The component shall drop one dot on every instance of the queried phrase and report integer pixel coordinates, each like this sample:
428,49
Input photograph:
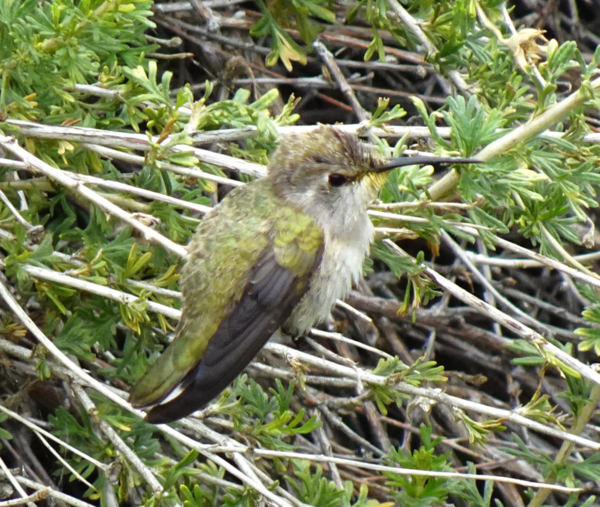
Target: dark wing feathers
264,304
268,301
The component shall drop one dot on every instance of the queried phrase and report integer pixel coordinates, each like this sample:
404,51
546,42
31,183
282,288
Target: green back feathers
248,225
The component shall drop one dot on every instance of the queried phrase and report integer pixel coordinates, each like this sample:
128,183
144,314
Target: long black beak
392,163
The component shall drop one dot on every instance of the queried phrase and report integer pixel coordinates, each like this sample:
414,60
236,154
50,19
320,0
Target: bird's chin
373,183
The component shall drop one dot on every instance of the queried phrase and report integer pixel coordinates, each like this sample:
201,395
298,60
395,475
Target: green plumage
250,225
276,253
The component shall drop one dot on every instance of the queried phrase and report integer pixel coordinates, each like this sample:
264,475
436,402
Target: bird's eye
319,160
337,180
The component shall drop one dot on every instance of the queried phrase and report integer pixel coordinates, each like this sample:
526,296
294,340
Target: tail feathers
203,387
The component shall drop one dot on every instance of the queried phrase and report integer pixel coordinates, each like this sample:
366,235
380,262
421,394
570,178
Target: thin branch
142,192
41,431
65,463
338,424
38,496
407,471
233,446
343,85
131,141
116,440
75,502
547,261
460,253
345,306
581,420
341,338
549,351
100,290
31,229
69,182
141,161
537,125
433,394
523,263
15,484
414,27
325,446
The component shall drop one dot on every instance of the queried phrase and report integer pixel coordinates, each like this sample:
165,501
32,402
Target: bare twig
345,88
489,287
138,160
41,431
414,27
15,484
549,351
100,290
31,229
75,502
69,182
526,131
116,440
131,141
38,496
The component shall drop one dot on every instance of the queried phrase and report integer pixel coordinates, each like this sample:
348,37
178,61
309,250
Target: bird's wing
267,303
202,367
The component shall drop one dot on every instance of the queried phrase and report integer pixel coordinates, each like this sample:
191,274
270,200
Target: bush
473,354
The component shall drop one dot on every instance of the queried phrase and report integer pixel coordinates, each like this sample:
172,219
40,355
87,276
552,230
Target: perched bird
275,253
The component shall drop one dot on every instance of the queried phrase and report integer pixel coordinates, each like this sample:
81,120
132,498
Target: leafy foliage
90,64
312,487
278,15
268,419
416,490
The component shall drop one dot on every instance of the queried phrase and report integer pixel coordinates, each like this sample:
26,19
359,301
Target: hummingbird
273,254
